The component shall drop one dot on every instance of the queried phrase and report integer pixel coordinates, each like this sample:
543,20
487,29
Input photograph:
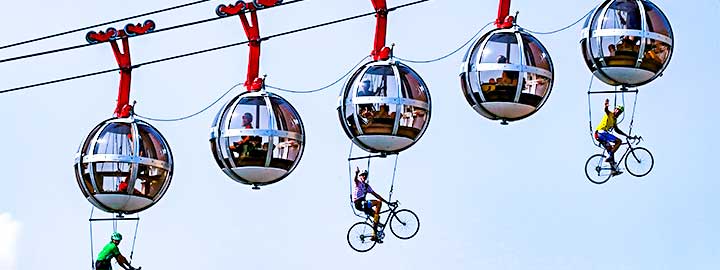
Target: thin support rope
451,53
564,28
194,114
321,88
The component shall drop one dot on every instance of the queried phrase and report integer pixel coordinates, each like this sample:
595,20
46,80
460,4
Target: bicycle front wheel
360,237
597,170
404,224
639,162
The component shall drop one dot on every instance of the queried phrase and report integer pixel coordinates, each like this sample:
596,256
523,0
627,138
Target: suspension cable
592,136
137,222
191,115
92,249
563,28
101,24
153,32
392,184
321,88
451,53
207,50
632,118
352,180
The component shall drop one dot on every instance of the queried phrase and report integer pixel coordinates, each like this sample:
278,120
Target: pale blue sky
488,196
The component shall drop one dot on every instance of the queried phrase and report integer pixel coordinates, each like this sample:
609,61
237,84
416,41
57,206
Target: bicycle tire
359,237
404,224
639,162
596,170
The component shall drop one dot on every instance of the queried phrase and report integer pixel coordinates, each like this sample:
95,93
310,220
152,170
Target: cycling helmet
116,236
620,107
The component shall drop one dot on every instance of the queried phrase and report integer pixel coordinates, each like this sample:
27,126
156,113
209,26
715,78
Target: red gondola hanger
503,20
252,31
380,51
123,108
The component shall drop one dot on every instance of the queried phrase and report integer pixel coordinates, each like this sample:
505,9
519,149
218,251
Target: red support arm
252,31
504,20
253,34
380,52
123,107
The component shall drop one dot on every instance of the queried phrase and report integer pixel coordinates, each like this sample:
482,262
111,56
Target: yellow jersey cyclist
111,251
603,133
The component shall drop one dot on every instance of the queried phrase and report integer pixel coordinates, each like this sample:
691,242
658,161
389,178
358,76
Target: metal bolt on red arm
504,20
380,51
252,31
111,35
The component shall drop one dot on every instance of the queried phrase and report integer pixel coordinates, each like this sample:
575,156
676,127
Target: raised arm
607,106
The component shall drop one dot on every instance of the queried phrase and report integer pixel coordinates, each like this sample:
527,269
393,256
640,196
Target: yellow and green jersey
607,123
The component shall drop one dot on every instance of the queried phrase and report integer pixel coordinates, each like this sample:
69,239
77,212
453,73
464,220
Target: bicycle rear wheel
597,170
404,224
639,162
359,237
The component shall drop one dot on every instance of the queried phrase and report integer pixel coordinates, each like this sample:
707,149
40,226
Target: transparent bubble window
501,48
114,139
535,53
656,20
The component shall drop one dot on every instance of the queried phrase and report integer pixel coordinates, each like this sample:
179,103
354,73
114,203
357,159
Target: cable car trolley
257,138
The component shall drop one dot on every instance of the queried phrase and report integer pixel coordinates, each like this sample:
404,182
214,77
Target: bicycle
404,224
638,162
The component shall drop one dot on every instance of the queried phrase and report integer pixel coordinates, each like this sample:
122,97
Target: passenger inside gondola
247,144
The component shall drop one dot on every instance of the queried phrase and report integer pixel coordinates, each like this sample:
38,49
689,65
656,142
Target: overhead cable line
321,88
451,53
564,28
100,24
155,31
207,50
194,114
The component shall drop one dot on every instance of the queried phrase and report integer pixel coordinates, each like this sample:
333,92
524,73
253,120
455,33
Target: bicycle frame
629,149
392,211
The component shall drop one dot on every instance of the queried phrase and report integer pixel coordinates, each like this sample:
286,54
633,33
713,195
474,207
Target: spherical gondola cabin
257,138
627,42
120,174
507,75
385,107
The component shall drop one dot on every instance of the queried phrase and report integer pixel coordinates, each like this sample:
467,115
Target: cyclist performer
362,188
110,251
603,134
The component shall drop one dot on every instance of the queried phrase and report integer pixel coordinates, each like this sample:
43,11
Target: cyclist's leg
377,205
617,142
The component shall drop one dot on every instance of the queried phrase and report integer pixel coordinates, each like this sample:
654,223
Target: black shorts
364,206
103,265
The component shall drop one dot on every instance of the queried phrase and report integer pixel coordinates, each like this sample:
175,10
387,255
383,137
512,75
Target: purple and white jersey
361,189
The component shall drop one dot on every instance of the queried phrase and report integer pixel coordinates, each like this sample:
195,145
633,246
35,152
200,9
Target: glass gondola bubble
385,106
627,42
257,138
120,174
507,74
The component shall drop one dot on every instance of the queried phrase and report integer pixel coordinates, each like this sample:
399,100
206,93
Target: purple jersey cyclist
362,188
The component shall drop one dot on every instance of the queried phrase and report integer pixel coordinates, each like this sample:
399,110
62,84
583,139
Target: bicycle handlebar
637,139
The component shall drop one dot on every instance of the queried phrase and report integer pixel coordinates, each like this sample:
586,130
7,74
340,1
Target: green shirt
108,252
